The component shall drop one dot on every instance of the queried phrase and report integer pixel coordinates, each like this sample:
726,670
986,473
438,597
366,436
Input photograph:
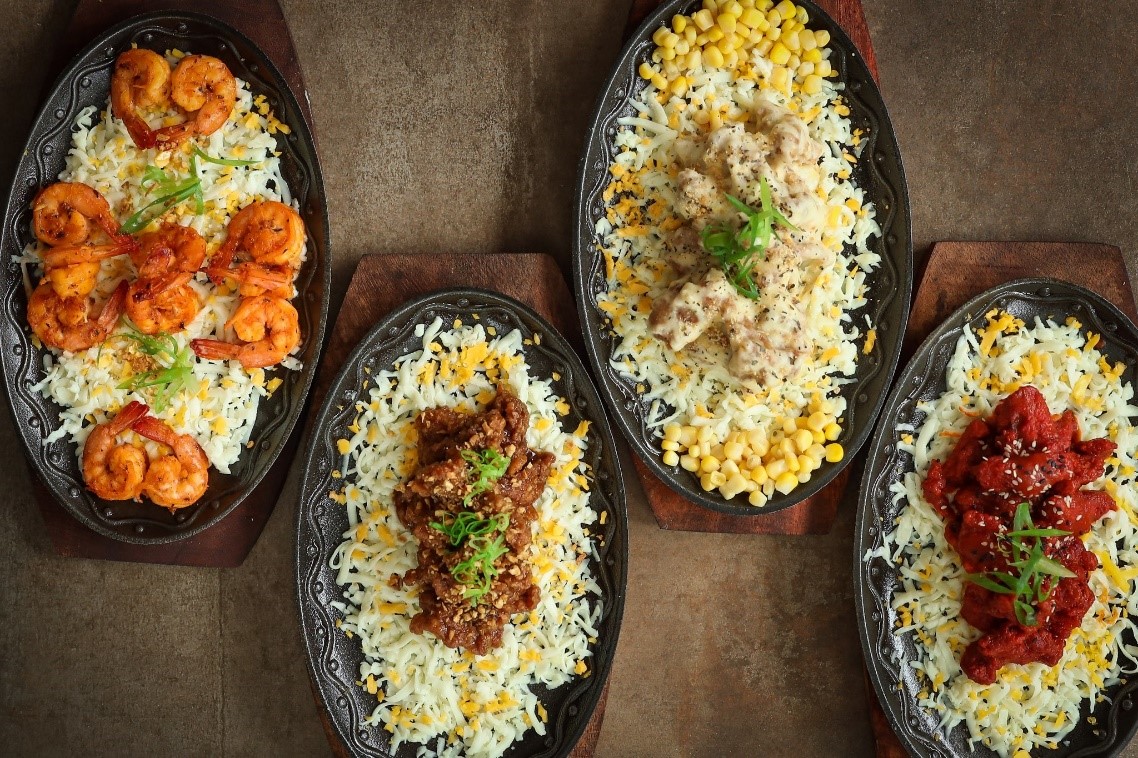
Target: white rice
451,701
219,405
693,386
1032,706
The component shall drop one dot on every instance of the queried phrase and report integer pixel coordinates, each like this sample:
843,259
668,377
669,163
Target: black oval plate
880,174
333,659
87,82
924,379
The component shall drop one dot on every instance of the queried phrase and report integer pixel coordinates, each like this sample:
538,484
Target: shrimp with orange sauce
187,250
141,78
74,271
72,323
115,470
268,232
268,327
179,478
168,304
258,279
62,214
203,87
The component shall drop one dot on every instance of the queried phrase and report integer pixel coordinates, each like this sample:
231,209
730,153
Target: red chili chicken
1020,454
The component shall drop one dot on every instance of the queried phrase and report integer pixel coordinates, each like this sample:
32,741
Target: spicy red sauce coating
1020,454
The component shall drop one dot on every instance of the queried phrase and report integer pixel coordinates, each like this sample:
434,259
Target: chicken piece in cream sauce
766,337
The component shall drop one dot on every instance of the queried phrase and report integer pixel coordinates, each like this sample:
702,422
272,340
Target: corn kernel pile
726,33
747,460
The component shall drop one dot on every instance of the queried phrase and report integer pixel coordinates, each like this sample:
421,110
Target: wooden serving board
226,543
958,271
383,282
816,514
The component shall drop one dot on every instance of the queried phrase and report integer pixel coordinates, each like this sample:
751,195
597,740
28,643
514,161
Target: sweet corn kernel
803,439
764,47
807,40
703,20
815,422
708,464
805,463
779,54
786,483
694,60
729,468
670,458
736,484
790,41
671,445
672,432
682,48
691,34
817,452
689,463
687,435
833,431
812,85
757,499
801,16
679,86
819,437
812,56
713,57
705,483
734,8
773,33
792,463
646,71
705,434
822,68
726,22
717,478
659,34
695,450
667,53
659,82
804,476
822,37
776,468
679,23
805,69
834,452
733,450
751,17
731,59
757,474
774,18
786,10
794,62
757,439
786,447
711,6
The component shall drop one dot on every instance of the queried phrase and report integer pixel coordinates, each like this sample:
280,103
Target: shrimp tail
131,413
169,137
152,287
113,308
215,350
154,429
144,137
218,268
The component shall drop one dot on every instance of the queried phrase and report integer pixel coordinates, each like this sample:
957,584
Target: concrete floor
1016,122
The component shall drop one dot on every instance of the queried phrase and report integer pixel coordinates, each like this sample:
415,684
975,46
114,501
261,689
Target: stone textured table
456,126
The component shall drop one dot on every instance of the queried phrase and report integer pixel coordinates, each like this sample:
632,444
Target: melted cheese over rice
1032,706
451,701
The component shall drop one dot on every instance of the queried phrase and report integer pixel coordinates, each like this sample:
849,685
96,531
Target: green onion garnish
172,191
198,152
175,363
487,467
737,251
1035,579
478,571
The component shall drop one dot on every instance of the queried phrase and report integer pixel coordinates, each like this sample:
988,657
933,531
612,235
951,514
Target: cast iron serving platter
886,654
87,82
878,172
333,659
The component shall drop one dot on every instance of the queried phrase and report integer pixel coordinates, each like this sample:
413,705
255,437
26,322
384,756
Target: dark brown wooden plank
383,282
226,543
812,516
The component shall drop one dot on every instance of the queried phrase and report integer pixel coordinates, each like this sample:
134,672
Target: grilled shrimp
268,327
141,78
168,304
115,470
258,279
71,323
179,478
74,271
268,232
185,246
205,89
62,212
